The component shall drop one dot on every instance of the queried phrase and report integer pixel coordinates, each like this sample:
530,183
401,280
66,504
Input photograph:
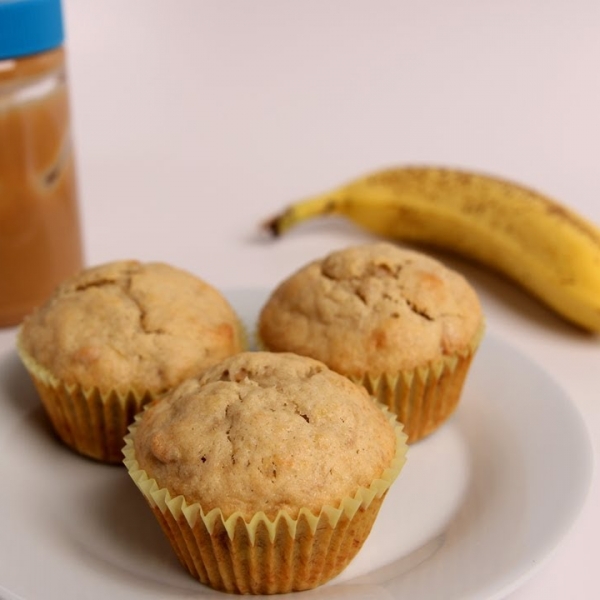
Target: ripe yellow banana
540,244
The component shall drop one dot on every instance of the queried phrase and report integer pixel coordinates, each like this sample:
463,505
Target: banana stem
275,225
295,213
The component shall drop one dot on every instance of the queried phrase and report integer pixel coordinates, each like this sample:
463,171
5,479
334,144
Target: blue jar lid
29,26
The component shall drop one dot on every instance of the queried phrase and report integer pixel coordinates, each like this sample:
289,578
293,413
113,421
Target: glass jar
40,240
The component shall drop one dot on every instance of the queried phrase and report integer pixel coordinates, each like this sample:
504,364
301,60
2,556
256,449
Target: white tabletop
194,121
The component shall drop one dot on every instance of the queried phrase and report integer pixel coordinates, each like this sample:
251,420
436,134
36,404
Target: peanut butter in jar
40,240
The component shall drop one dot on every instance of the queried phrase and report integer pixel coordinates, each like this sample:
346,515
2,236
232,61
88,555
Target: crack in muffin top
265,432
131,325
373,307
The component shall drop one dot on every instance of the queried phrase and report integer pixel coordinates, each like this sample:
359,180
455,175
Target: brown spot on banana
553,208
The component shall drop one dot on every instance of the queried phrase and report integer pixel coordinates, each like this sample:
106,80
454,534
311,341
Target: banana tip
272,226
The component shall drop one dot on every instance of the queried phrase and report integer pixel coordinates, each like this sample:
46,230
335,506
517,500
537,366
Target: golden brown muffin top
373,307
129,325
265,432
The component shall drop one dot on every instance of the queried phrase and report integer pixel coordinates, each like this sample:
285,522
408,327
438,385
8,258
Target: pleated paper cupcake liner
91,422
423,398
262,555
88,421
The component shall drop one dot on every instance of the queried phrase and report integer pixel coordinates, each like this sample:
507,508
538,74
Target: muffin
267,472
392,319
116,336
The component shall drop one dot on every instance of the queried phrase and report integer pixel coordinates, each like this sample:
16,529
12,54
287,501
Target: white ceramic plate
477,508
